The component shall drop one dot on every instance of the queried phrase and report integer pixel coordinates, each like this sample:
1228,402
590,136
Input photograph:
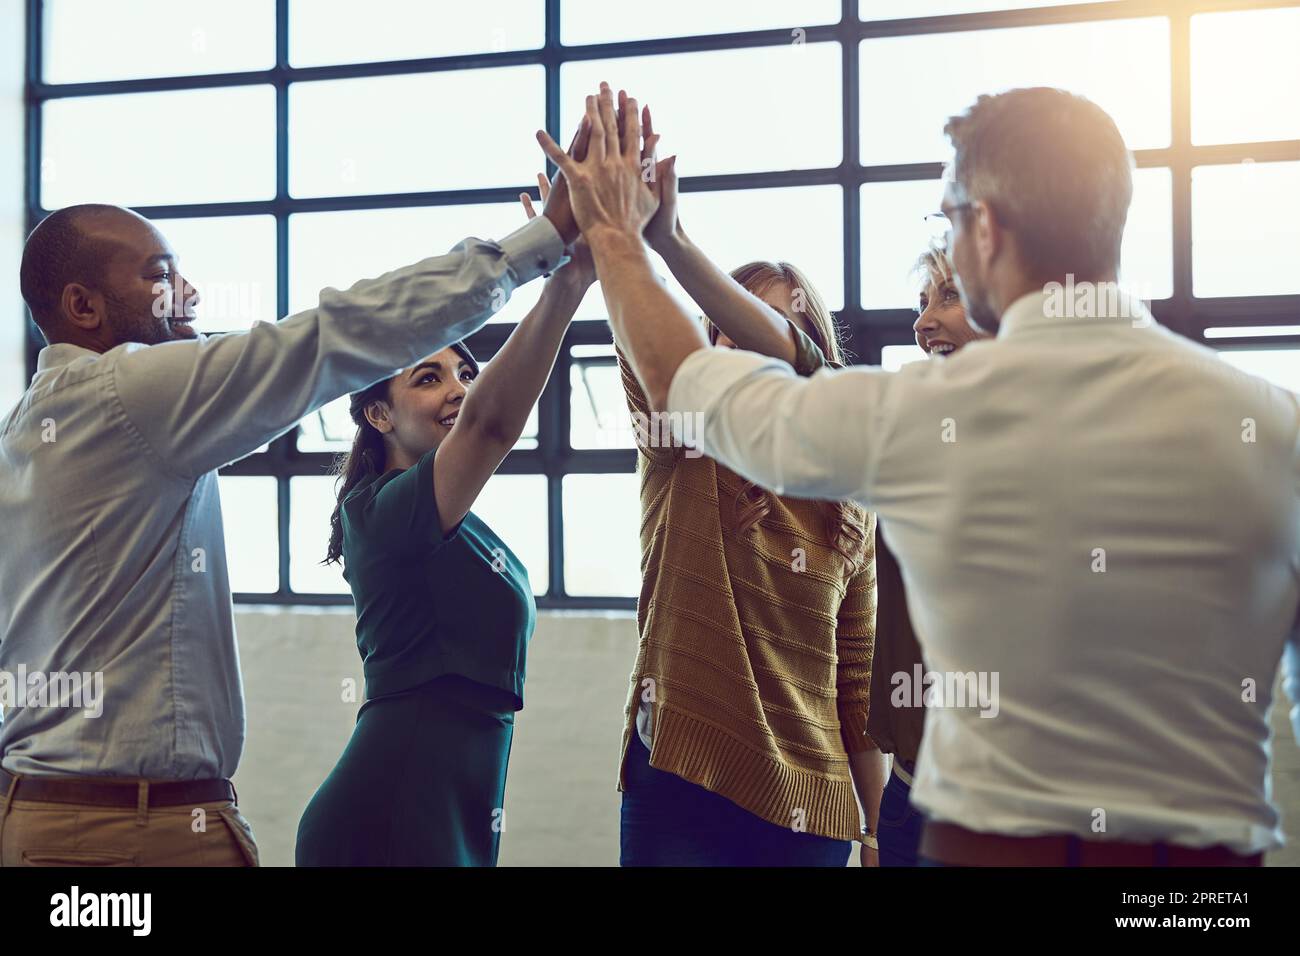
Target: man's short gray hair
1057,173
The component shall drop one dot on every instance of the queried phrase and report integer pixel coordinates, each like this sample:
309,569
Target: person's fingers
650,163
606,117
649,149
576,133
581,139
618,114
553,152
543,186
650,152
527,200
669,176
661,175
631,131
648,131
596,146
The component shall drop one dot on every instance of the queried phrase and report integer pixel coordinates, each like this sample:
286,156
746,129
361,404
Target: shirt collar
1068,305
60,353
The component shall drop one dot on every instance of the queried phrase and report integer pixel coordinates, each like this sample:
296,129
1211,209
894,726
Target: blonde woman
940,329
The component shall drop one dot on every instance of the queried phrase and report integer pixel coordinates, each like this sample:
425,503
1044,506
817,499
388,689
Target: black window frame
868,331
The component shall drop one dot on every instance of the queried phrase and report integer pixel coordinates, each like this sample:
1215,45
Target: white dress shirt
113,559
1102,514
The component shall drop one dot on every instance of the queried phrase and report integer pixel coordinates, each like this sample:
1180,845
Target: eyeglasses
939,223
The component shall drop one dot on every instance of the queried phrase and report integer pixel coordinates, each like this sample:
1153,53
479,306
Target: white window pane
322,32
329,428
896,9
791,92
1279,366
230,260
1147,253
338,248
599,21
802,225
894,357
1249,331
92,40
143,149
602,545
894,234
249,512
528,437
311,502
911,85
1245,76
514,506
598,412
1246,229
417,133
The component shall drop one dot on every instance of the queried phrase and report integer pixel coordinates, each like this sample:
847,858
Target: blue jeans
668,821
899,827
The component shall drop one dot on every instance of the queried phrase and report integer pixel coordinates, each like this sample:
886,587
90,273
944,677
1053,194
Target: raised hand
555,203
663,228
606,190
580,261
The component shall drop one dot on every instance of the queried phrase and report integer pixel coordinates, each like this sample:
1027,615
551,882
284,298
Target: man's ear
990,235
82,307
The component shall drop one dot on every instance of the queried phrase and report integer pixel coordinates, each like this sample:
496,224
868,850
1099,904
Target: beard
980,314
130,324
982,317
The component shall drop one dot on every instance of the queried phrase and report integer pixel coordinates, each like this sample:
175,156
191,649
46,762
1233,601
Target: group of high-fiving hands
611,200
610,185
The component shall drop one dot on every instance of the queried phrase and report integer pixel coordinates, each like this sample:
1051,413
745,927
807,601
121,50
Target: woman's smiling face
423,404
941,327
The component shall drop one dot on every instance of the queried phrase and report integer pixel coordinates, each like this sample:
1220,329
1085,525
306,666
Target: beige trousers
40,833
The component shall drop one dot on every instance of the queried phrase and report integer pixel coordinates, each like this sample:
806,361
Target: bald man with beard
123,712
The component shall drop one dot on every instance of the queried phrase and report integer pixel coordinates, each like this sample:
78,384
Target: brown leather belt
116,792
957,846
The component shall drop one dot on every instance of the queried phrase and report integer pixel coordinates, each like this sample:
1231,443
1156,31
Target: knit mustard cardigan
755,650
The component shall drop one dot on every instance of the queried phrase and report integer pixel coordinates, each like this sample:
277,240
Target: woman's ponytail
366,458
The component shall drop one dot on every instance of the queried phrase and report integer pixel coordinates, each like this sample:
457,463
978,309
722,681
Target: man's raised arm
803,437
197,405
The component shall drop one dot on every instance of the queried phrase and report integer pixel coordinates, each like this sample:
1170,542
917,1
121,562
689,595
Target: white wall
561,802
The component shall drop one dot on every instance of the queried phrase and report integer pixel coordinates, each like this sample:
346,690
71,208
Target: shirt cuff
533,249
808,357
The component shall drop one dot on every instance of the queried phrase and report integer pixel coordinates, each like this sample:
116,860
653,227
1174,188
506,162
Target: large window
288,145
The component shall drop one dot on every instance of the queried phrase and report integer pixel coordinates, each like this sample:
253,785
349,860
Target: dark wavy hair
847,524
368,455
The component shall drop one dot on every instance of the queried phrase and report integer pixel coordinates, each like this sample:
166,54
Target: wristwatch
869,839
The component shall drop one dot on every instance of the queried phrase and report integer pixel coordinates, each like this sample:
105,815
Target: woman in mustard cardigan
744,737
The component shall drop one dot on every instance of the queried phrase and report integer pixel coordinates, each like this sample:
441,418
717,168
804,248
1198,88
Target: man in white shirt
1097,521
119,671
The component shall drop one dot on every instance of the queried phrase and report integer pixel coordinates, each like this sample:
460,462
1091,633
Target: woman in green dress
444,608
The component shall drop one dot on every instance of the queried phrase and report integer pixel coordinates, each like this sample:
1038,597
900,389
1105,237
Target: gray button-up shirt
112,557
